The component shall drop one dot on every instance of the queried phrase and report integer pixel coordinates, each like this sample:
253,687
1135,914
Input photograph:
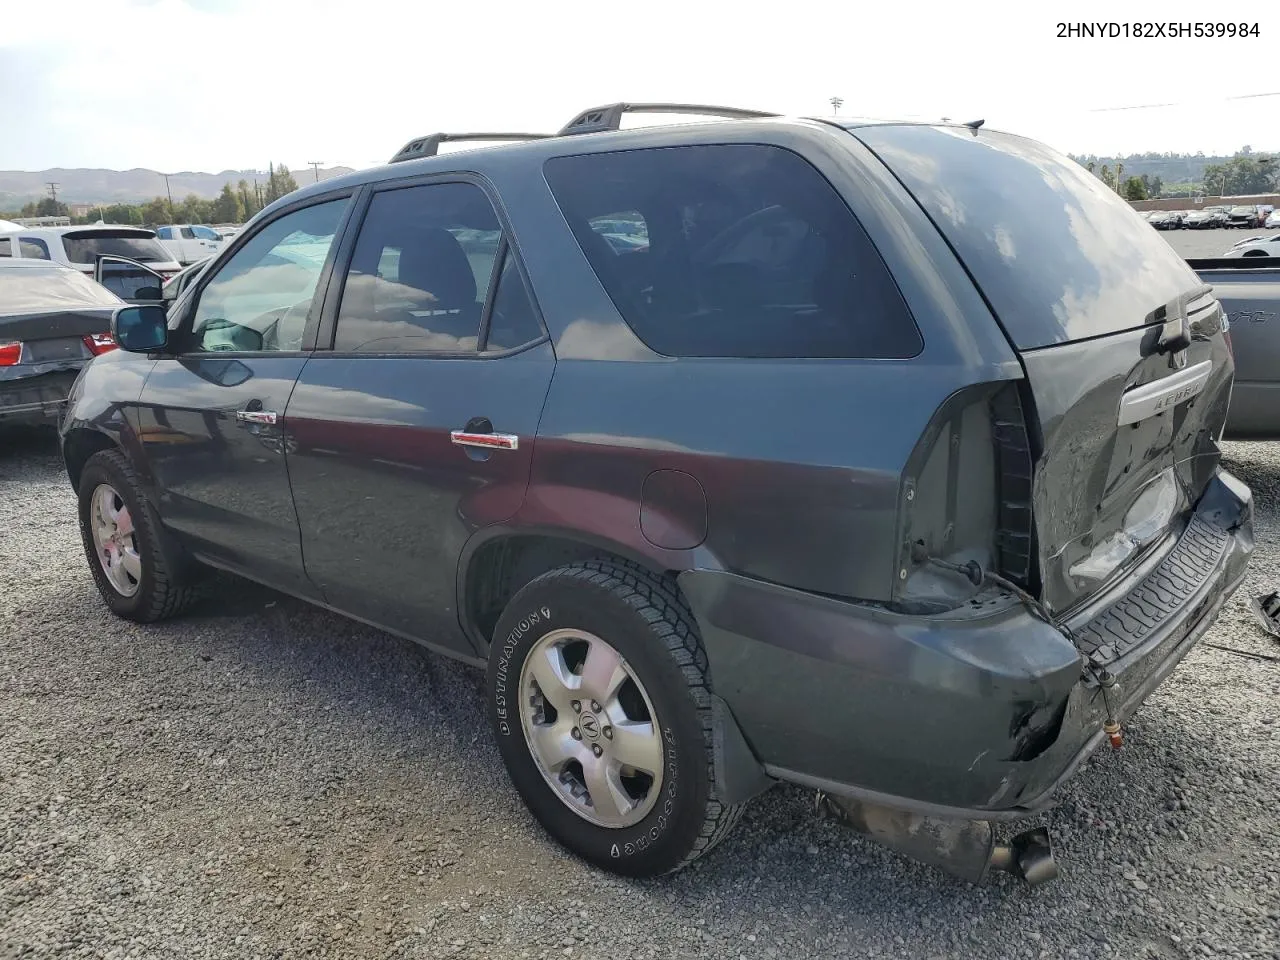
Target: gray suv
880,459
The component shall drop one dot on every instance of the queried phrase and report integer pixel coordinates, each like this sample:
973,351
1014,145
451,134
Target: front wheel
599,699
140,572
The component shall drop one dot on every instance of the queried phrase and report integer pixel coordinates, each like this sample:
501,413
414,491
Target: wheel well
78,447
502,566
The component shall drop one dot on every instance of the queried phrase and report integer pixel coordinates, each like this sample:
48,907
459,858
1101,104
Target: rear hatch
85,246
1128,371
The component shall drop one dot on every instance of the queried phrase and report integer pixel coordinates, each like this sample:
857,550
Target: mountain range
82,185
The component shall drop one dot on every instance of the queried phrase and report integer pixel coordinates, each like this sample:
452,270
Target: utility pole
836,104
315,165
53,189
169,194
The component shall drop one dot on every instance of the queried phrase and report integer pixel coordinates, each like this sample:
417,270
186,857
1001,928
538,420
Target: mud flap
739,775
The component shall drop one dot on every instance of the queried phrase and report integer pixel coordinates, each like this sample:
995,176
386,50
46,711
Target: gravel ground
263,779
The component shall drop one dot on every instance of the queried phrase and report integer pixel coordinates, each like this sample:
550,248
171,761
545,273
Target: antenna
974,124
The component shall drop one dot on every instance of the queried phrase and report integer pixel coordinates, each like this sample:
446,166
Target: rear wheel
599,699
139,570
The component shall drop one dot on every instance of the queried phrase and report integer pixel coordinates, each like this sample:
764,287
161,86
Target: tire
642,618
166,581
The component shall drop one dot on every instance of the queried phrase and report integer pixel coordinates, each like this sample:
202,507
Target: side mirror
140,329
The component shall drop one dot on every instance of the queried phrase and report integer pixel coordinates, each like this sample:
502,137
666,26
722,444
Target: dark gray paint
808,487
223,483
386,501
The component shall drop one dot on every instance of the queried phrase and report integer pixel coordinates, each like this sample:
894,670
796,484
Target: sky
210,85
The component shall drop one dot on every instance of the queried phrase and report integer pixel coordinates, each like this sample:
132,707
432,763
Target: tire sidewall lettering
506,653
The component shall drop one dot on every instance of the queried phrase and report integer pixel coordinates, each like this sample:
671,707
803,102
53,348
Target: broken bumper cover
35,399
981,713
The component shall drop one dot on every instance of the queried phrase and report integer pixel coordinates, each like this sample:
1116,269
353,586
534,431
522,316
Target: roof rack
609,117
429,145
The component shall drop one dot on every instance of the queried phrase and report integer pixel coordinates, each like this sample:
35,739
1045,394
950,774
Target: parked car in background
53,320
1243,217
80,247
1273,219
627,478
1256,247
1165,220
188,242
1208,218
1249,291
173,287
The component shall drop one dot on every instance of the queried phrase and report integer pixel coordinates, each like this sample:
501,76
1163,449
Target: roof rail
609,117
429,145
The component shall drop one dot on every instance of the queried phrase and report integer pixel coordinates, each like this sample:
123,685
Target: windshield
1058,254
87,247
205,233
40,289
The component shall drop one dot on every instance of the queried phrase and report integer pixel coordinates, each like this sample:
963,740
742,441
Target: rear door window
1058,254
420,272
34,248
732,250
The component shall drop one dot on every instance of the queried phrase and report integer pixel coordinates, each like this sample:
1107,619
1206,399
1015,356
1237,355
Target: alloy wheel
115,540
591,728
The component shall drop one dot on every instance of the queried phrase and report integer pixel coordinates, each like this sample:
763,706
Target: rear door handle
487,441
257,416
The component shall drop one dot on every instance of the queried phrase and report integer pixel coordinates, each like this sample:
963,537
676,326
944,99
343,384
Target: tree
195,209
279,182
1152,185
49,207
126,213
1105,176
228,208
1135,189
248,199
156,211
1245,173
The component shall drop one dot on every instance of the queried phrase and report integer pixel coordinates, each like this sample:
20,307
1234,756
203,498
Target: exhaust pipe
963,848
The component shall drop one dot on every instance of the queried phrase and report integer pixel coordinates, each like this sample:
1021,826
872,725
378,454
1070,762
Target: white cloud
212,84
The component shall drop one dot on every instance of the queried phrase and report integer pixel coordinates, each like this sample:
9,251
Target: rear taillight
10,354
99,343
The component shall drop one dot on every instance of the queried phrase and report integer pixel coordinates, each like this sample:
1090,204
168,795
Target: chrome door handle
257,416
488,441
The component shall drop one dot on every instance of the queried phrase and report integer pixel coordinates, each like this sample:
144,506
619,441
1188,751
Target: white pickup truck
189,242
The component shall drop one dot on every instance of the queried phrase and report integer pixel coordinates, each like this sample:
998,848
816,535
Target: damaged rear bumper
35,399
978,714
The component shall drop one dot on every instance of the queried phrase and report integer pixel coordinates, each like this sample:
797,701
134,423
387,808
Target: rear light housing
99,343
10,354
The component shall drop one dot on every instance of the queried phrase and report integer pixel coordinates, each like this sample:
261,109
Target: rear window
87,247
1059,256
35,290
732,250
